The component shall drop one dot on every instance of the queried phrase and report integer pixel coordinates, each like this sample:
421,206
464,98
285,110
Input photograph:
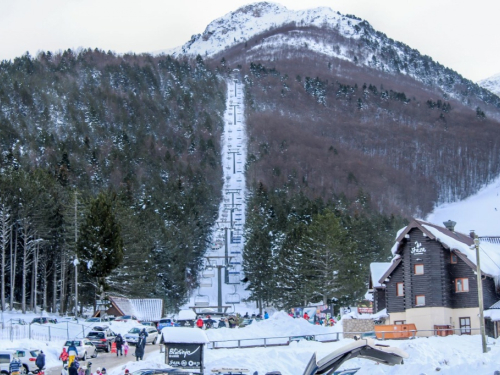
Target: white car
27,357
133,335
84,347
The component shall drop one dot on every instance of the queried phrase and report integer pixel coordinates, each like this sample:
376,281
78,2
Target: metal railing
13,330
271,341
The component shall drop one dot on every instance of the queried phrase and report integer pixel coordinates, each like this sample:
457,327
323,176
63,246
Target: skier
222,323
40,361
246,316
232,322
199,323
119,343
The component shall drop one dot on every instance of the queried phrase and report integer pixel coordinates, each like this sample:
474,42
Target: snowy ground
480,212
448,355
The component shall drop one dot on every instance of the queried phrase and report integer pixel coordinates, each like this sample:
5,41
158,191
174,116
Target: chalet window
461,285
419,269
420,300
400,289
453,258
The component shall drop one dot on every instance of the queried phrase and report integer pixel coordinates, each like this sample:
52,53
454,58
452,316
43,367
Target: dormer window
453,258
419,269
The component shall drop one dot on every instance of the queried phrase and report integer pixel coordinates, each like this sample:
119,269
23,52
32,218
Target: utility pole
480,294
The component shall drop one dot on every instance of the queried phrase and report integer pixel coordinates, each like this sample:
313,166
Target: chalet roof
376,272
145,309
459,243
493,312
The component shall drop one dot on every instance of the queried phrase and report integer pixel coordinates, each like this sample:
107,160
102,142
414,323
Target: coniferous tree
100,245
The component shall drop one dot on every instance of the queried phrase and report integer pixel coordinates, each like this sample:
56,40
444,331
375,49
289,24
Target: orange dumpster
395,331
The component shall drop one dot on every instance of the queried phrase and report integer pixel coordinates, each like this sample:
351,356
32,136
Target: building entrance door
465,326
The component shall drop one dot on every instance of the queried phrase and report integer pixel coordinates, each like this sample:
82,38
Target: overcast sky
461,34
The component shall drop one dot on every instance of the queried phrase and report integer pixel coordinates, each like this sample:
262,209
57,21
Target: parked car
167,322
43,320
84,347
132,336
102,339
27,357
126,318
97,320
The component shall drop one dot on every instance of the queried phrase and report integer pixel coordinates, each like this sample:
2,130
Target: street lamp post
480,294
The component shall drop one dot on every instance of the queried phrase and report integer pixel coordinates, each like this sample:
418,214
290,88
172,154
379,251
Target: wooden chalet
144,309
431,281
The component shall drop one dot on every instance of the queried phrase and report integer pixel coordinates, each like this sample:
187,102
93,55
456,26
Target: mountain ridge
343,37
491,83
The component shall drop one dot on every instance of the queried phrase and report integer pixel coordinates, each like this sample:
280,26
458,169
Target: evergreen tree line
300,250
111,160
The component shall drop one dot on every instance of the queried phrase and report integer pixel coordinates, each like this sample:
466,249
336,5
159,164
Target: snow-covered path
224,256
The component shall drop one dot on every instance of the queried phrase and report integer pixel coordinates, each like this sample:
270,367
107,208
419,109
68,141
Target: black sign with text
188,356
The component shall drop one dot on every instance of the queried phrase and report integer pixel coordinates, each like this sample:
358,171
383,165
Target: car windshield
75,343
93,320
99,335
134,330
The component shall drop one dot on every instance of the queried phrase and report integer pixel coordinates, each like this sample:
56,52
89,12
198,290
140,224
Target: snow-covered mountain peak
250,20
492,84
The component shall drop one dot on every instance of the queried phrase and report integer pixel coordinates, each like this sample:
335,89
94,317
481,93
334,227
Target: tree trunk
13,266
62,298
54,289
35,277
5,232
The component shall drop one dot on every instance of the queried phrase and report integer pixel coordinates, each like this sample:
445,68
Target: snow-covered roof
461,244
145,309
184,335
376,272
187,314
148,309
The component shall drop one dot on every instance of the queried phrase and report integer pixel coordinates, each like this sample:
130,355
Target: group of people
229,322
121,345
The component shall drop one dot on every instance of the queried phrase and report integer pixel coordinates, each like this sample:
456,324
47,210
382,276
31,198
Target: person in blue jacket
266,315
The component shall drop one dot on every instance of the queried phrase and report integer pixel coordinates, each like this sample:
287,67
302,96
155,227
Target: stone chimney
450,225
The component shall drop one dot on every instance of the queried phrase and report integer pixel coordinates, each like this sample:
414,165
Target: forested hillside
91,135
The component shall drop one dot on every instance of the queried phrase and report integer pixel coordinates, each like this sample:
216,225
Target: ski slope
224,256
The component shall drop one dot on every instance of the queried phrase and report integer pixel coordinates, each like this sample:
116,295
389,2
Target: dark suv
102,340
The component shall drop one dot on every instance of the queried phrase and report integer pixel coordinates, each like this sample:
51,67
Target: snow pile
492,84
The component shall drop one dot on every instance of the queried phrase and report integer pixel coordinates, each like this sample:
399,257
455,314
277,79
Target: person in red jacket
199,323
306,317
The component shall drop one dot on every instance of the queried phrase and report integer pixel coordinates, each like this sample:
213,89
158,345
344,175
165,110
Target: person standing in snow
64,356
72,352
306,316
222,323
125,348
266,315
143,334
15,366
72,370
119,343
139,349
199,323
40,361
209,322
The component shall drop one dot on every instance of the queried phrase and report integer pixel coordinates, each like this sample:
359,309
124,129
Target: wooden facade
425,275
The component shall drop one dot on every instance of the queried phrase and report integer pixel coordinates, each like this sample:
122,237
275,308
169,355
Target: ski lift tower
224,264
